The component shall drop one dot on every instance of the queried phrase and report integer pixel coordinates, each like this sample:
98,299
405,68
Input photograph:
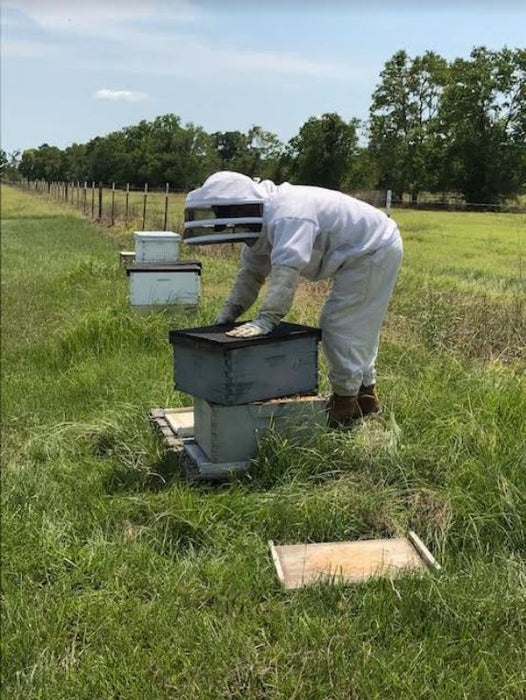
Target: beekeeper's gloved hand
243,294
251,329
283,282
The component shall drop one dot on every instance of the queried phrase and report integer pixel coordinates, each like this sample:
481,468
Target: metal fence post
78,193
93,199
126,204
144,206
112,203
99,218
84,197
166,206
388,199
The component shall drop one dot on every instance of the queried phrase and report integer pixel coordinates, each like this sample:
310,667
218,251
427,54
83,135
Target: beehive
230,371
166,284
156,246
232,433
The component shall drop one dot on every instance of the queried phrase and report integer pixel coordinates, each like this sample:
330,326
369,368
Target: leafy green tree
363,173
263,153
231,147
404,119
106,159
483,120
322,152
43,163
256,153
75,162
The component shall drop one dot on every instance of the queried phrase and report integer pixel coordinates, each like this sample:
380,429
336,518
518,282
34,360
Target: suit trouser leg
352,317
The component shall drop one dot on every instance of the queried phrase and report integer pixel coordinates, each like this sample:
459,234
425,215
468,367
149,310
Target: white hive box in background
154,285
232,433
156,246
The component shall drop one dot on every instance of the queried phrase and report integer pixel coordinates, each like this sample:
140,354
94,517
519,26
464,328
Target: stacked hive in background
241,388
156,279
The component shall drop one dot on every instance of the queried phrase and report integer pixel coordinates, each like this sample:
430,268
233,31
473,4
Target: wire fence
140,209
162,209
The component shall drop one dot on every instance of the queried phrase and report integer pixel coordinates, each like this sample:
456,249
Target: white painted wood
423,551
126,256
181,421
164,288
156,246
277,563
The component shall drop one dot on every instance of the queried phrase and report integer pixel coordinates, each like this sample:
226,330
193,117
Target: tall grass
120,580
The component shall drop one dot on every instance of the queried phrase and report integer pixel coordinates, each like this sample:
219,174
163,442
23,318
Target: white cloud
197,58
144,37
120,95
19,48
85,17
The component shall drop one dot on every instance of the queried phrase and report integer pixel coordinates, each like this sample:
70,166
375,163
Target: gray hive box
211,365
232,433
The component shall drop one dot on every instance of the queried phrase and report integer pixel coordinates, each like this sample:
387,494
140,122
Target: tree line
434,125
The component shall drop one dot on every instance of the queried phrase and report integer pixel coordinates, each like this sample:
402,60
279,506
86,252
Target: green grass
119,580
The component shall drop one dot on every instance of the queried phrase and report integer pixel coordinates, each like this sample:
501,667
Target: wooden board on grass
348,562
181,420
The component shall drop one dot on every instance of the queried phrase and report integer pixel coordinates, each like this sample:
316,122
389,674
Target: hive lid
161,235
187,266
216,337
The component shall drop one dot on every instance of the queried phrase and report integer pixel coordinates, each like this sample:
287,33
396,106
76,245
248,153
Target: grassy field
121,581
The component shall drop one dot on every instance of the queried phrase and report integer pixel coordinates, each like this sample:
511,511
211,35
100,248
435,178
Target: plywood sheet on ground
181,420
353,562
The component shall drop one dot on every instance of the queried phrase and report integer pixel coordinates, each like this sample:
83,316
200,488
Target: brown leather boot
343,410
368,399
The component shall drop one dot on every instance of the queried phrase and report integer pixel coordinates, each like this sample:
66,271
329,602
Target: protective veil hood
228,207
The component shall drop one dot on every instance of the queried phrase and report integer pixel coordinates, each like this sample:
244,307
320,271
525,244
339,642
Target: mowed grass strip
119,580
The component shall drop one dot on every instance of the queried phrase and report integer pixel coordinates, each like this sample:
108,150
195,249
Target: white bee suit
317,234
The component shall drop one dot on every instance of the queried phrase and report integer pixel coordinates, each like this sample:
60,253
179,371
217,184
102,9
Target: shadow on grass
160,476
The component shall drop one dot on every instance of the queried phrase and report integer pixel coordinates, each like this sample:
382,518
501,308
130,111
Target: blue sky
73,69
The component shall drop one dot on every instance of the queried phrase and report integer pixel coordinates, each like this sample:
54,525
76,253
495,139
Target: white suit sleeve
257,257
243,294
282,285
292,242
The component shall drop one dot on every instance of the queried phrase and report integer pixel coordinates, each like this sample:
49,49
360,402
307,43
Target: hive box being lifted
214,366
156,246
232,433
154,285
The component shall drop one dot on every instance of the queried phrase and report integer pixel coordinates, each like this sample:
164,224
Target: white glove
252,329
243,294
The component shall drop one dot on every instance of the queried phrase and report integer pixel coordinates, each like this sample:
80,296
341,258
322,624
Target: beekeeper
293,231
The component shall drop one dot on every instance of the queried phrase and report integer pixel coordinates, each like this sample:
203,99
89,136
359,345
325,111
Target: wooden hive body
232,433
164,284
233,371
156,246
